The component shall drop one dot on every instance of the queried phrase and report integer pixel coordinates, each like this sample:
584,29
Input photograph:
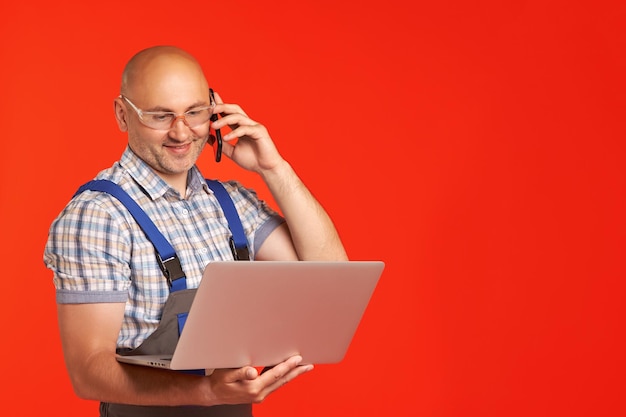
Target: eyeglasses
165,120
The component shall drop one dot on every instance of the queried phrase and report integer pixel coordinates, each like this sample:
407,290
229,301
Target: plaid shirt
99,254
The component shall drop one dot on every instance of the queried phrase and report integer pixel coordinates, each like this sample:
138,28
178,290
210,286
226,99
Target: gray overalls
165,337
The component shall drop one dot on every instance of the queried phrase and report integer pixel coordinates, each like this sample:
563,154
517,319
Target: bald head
161,69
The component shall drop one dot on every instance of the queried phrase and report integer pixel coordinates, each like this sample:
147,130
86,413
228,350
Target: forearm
312,231
102,378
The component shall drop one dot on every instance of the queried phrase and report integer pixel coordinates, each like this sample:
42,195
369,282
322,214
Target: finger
218,98
251,373
241,374
281,370
223,108
267,368
280,380
226,109
233,120
256,132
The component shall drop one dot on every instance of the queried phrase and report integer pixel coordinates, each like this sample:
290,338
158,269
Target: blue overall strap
166,255
238,242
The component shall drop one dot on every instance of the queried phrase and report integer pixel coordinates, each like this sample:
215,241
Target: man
110,290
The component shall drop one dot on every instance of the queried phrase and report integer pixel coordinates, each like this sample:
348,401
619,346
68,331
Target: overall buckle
171,268
240,254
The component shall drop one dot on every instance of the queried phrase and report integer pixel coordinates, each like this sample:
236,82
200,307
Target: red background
475,147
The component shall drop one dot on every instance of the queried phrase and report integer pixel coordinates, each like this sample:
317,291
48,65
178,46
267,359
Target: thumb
250,373
242,374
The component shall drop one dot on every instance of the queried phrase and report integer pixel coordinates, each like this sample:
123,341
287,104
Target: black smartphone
217,142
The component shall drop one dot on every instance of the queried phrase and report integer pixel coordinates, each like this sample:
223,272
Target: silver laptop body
262,312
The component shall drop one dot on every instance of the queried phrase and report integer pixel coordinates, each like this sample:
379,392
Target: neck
177,182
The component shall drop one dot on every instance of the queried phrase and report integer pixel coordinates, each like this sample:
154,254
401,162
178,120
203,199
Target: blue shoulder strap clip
166,255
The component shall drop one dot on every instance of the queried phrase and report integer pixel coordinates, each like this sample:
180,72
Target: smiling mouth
178,146
178,149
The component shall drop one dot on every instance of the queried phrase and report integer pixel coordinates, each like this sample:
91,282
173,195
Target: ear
120,114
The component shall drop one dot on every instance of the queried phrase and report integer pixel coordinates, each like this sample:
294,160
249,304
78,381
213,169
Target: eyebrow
162,109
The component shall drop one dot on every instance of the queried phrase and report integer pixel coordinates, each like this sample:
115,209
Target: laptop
260,313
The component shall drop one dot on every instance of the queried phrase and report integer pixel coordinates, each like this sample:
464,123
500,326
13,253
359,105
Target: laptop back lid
260,313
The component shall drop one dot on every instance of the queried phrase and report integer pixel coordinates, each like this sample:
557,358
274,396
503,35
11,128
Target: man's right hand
245,385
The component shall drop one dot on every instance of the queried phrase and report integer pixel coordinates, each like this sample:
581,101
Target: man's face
171,87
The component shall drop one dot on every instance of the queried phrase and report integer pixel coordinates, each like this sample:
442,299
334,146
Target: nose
180,131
